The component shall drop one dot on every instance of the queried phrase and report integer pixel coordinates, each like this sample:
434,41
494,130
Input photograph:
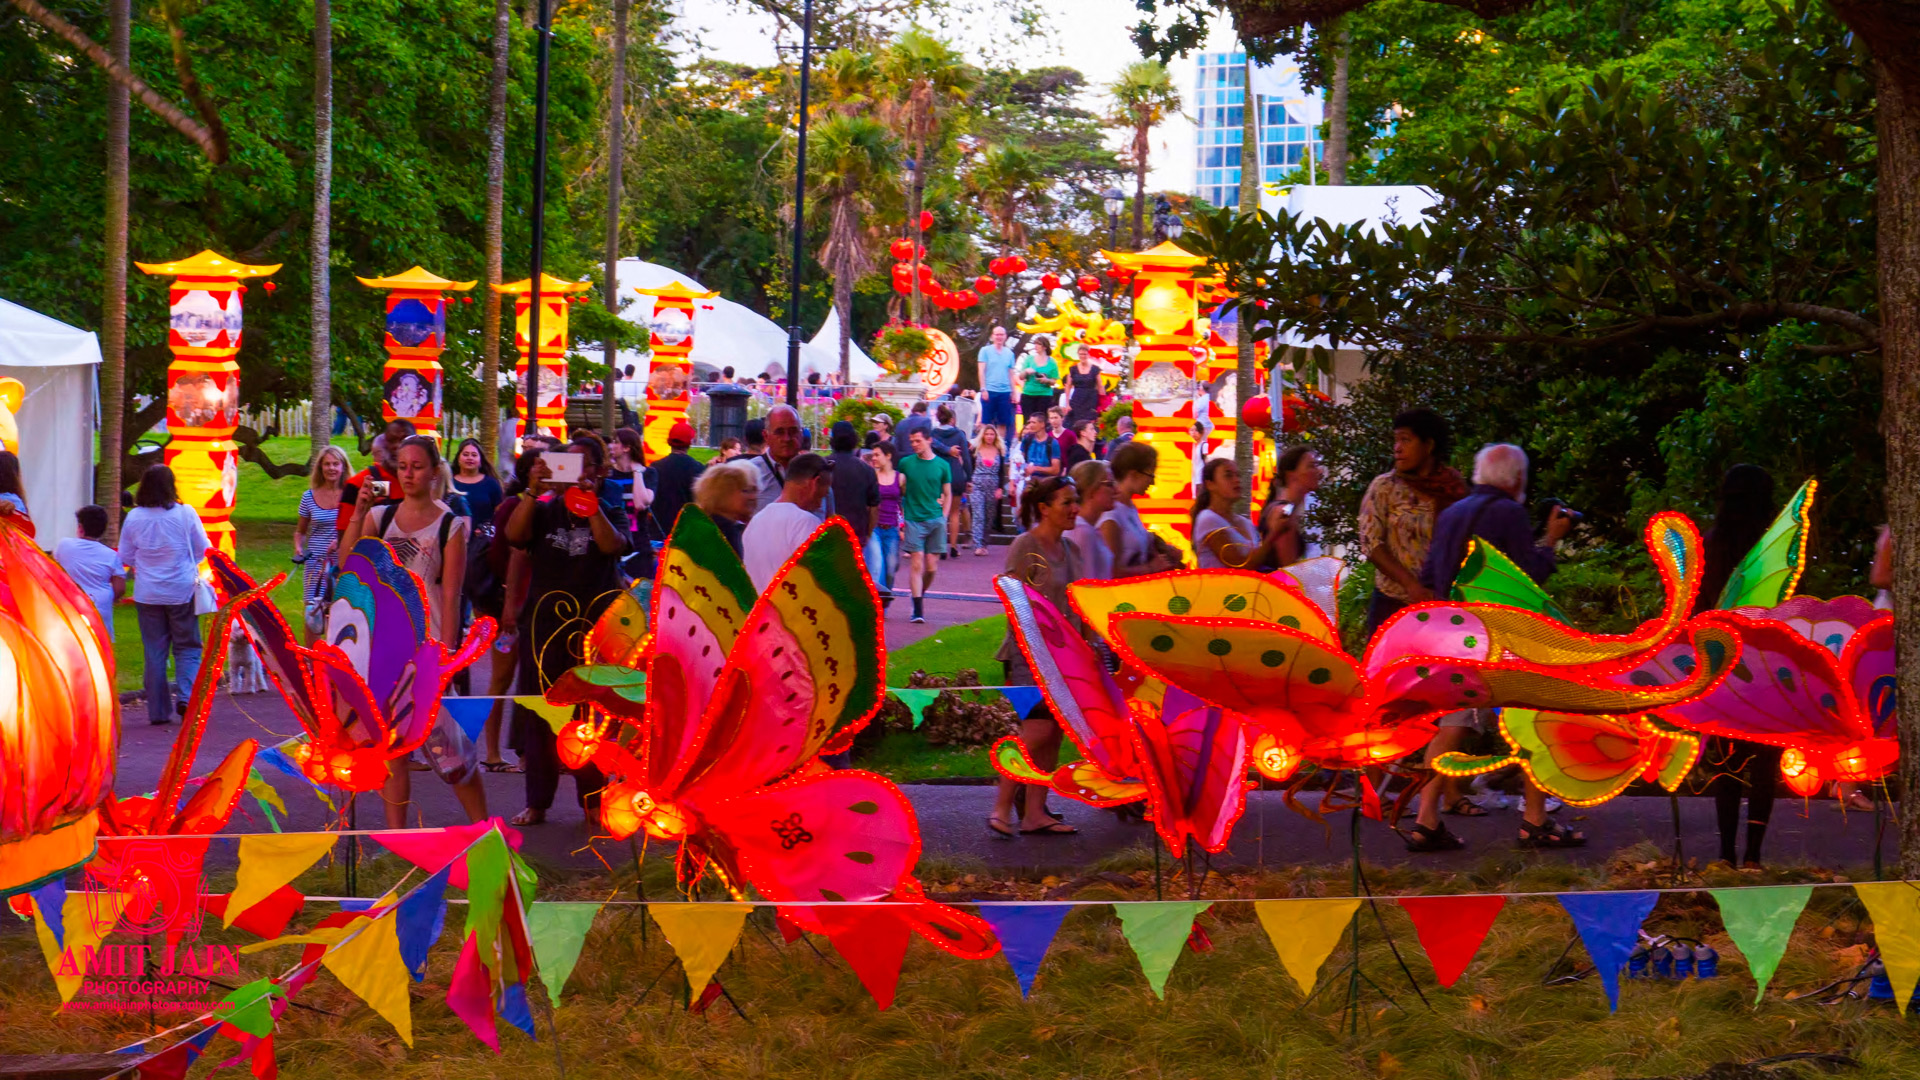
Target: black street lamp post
799,211
1116,201
544,27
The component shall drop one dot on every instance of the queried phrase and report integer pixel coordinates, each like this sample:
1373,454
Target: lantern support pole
545,30
799,211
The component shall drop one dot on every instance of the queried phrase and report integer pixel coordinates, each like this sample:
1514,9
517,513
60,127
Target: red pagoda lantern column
670,374
1166,315
203,383
416,336
548,413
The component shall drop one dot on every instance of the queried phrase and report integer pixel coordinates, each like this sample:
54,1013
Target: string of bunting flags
471,712
375,947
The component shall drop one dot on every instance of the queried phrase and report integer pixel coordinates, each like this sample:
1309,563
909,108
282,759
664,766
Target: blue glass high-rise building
1289,118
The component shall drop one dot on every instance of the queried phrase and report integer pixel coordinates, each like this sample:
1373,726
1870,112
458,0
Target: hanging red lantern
1120,273
466,299
1016,265
1088,283
901,248
926,276
926,220
985,284
269,286
966,298
1258,411
1050,282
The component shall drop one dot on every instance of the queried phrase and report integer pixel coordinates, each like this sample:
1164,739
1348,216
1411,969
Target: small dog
245,674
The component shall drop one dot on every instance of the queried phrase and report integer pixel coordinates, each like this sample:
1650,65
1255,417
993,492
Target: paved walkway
953,829
967,574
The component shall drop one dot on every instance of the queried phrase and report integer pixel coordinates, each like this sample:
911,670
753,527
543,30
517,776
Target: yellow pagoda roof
419,278
679,290
549,286
208,264
1167,255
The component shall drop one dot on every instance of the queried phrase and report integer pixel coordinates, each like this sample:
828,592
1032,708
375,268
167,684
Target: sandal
1550,834
501,766
1422,838
530,816
1465,807
1054,827
999,828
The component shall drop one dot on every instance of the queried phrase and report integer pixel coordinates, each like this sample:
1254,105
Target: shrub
951,719
858,410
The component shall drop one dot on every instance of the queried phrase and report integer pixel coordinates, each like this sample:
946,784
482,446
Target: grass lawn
1229,1013
950,651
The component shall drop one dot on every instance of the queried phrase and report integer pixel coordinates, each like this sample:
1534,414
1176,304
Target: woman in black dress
1083,394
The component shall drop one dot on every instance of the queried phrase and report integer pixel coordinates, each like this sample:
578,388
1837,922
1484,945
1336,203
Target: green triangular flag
916,701
252,1010
1158,930
486,889
557,931
1759,921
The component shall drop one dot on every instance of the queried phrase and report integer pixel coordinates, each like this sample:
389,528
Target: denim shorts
922,536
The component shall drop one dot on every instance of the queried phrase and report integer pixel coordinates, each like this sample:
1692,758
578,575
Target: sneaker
917,618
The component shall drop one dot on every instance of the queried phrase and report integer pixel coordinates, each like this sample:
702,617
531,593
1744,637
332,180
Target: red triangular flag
268,918
873,941
169,1064
1451,929
790,931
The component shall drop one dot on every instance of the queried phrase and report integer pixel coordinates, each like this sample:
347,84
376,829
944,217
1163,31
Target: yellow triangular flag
556,716
86,919
369,964
1895,909
270,860
1304,932
325,935
701,934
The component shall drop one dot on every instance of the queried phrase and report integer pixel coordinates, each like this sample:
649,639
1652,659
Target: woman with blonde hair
727,493
989,481
317,535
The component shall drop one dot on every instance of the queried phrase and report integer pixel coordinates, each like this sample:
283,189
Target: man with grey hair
1492,513
783,435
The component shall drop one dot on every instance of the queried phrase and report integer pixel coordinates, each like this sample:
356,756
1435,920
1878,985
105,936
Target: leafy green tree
926,78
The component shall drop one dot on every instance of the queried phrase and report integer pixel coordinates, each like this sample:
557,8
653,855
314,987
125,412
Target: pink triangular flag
433,849
470,993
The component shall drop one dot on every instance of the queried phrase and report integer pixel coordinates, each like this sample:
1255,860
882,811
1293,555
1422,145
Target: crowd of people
544,556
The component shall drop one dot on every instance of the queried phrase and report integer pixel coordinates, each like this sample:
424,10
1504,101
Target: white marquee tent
727,334
57,364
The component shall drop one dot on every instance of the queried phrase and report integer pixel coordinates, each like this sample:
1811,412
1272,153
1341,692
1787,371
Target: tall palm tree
113,321
848,156
925,76
844,81
1143,96
616,148
320,245
1005,182
495,241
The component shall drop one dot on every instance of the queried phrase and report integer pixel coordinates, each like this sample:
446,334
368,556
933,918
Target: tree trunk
1142,134
843,308
321,249
916,191
113,307
616,146
1342,47
495,230
1897,116
1243,383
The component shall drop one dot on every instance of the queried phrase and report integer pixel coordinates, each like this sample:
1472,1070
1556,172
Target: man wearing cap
676,473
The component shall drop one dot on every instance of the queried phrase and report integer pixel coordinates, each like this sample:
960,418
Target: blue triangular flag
1022,698
513,1007
200,1041
422,915
470,713
51,899
278,758
1609,925
1025,931
358,905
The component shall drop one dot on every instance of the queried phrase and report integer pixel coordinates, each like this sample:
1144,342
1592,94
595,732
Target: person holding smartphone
574,541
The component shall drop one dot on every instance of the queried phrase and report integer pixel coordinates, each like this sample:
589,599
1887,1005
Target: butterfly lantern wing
1487,576
1231,594
1194,758
1580,758
1769,572
699,604
1091,706
280,652
619,637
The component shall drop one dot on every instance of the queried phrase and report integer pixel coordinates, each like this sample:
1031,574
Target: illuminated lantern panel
416,336
59,717
670,373
940,368
548,413
203,383
1166,325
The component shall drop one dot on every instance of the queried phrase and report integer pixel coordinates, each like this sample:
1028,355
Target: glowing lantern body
1166,314
670,377
548,413
941,366
59,717
13,393
416,336
203,383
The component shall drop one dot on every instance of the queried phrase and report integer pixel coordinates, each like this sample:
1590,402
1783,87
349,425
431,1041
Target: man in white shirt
779,529
93,565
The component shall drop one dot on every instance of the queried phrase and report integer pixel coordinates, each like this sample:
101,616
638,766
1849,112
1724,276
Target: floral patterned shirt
1393,514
